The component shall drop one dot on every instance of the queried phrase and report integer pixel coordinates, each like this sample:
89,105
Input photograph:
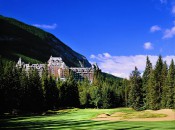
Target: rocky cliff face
18,39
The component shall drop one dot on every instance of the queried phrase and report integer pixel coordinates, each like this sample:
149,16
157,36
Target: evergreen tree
105,96
51,93
135,94
84,96
151,99
24,83
145,79
155,84
11,87
7,86
1,67
164,85
95,94
159,81
69,94
45,86
17,91
170,86
116,95
1,86
97,76
36,95
73,94
126,87
174,98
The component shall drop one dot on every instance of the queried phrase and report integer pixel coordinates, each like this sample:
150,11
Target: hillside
34,45
112,77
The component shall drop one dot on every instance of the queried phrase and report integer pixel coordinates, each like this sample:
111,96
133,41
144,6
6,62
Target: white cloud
92,56
169,33
107,55
148,45
122,66
45,26
155,28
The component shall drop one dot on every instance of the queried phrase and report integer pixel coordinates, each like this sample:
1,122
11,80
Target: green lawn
74,119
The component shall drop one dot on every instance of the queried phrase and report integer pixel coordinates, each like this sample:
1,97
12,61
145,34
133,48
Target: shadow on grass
61,124
41,122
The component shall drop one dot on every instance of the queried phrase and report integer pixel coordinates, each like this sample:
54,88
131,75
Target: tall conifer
135,94
155,83
145,78
164,85
151,97
159,81
36,91
170,85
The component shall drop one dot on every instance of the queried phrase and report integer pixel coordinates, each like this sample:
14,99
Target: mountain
34,45
110,76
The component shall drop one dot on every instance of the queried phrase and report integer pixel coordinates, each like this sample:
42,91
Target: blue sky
114,33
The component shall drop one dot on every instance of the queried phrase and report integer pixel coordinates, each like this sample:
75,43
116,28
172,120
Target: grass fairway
74,119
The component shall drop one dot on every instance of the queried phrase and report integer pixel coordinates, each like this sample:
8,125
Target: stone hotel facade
58,69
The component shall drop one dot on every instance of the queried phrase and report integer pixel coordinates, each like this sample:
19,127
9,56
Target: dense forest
30,92
155,89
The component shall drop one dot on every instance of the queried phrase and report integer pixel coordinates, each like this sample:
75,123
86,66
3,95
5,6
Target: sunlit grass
73,119
139,115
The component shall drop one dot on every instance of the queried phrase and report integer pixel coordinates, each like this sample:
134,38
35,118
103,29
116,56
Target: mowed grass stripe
74,119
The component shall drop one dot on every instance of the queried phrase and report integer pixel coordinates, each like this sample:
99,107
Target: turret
19,63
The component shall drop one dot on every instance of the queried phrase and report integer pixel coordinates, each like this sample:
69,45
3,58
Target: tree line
31,92
155,89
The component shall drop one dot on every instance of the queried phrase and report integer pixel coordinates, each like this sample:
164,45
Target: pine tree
51,93
84,96
11,87
1,66
174,98
151,97
116,95
69,95
36,95
145,79
1,86
170,85
97,76
159,81
164,85
95,94
126,87
73,94
63,94
24,83
155,84
135,94
105,96
17,91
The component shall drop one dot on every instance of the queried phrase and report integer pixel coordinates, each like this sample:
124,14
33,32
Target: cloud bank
122,66
45,26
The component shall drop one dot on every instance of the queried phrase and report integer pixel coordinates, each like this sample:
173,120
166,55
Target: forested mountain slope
34,45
